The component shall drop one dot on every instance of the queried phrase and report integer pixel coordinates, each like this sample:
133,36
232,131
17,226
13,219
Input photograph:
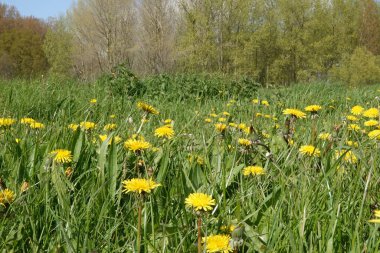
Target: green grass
301,204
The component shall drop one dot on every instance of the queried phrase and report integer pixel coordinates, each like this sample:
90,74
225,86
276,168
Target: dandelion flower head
253,170
136,145
244,142
87,125
371,113
62,155
7,122
313,108
310,150
295,113
164,132
375,134
6,196
377,217
200,201
147,108
357,110
139,185
217,243
36,125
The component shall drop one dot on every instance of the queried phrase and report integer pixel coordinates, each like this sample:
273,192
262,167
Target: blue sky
40,8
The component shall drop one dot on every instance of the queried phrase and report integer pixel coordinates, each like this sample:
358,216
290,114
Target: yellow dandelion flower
168,121
27,121
244,142
377,216
309,150
87,125
352,143
6,197
357,110
253,170
295,113
347,156
7,122
112,116
247,130
265,102
242,126
221,127
313,108
353,127
213,115
265,135
222,119
110,127
62,155
139,185
93,101
352,118
103,137
200,201
36,125
255,101
117,139
371,123
231,124
136,145
217,243
226,114
229,229
371,113
73,127
208,120
164,132
325,136
375,134
147,108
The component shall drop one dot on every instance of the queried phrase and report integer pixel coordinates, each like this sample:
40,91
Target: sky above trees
40,8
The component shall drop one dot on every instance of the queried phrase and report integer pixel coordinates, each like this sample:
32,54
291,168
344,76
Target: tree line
272,41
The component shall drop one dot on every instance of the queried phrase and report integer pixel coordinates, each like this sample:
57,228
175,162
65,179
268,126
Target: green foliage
360,68
301,204
23,48
58,49
122,82
199,87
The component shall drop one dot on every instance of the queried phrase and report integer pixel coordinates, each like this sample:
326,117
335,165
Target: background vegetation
273,41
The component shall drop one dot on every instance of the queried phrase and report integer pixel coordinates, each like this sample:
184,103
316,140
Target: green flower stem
199,234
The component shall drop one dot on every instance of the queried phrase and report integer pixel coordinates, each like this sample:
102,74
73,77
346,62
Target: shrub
361,67
121,81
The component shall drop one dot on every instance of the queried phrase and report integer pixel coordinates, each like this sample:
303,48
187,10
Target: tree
103,35
58,48
155,36
369,26
21,44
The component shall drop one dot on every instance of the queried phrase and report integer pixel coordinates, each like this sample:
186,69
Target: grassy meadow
318,200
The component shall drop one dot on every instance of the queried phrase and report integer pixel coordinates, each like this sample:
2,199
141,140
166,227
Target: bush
121,81
198,86
360,68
